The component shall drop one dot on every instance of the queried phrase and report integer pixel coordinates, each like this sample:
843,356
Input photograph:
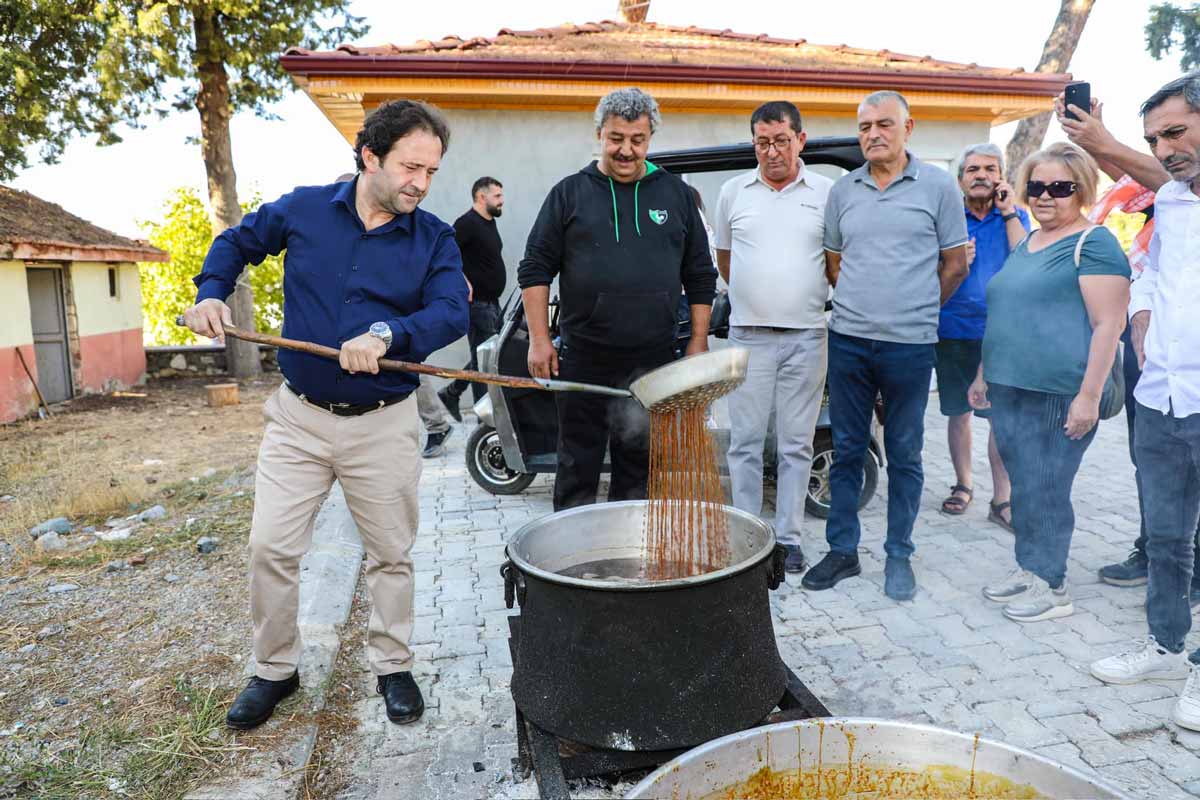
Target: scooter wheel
485,462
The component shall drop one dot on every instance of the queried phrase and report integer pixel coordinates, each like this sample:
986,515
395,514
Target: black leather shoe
830,570
255,704
402,697
435,443
450,401
795,561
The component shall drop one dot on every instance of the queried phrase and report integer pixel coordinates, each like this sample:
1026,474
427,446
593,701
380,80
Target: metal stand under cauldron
553,760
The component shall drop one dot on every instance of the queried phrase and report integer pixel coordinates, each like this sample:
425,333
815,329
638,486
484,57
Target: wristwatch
381,331
1008,216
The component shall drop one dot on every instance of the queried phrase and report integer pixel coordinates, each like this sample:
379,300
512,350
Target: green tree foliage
47,92
71,67
186,232
1172,27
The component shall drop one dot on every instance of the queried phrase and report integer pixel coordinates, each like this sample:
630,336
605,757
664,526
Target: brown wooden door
49,332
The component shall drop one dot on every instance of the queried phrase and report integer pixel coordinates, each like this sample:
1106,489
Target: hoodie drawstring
636,222
616,222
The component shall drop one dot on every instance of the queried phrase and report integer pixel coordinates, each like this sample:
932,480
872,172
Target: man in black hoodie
622,236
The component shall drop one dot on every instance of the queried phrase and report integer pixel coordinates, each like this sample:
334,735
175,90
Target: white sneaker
1146,660
1011,588
1186,713
1040,602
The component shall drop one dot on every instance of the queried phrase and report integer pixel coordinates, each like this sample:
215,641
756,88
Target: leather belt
345,409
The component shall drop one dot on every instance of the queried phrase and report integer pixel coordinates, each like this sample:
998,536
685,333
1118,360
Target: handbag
1112,398
718,325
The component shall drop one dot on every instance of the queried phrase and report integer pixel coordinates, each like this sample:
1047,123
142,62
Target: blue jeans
1042,462
1168,453
859,369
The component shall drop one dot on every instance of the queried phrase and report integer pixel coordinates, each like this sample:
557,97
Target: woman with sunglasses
1055,313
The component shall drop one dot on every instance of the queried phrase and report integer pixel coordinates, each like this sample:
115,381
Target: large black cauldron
639,665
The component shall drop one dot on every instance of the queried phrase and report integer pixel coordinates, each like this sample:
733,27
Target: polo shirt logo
658,217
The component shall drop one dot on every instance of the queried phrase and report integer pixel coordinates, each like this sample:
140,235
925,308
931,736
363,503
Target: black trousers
484,324
587,423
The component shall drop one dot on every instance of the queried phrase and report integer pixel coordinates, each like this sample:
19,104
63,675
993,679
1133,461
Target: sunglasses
1057,189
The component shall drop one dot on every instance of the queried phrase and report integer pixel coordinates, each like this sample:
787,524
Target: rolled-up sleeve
260,234
443,317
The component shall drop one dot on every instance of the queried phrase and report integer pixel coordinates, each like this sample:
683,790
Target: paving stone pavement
948,658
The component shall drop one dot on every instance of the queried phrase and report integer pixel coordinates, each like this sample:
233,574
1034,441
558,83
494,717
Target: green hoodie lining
650,169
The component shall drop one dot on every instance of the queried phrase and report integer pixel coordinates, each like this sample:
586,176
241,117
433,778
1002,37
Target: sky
120,186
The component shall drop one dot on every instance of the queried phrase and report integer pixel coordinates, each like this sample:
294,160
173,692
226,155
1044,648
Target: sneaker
795,561
1186,713
898,581
450,401
1130,572
435,444
1040,602
1012,588
831,570
1144,660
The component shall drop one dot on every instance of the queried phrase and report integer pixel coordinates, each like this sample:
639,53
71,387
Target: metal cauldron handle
775,578
514,584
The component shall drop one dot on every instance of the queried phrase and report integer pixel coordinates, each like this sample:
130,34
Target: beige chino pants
376,458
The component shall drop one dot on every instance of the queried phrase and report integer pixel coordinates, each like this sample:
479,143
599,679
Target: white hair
878,98
983,149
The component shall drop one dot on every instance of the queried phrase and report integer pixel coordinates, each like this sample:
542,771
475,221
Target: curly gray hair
628,104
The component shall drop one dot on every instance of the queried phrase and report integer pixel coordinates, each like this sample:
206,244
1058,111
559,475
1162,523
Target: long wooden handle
384,363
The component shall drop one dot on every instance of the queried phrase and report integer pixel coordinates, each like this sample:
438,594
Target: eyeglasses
1057,189
780,143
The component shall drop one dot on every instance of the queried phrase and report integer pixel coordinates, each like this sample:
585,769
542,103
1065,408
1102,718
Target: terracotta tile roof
31,225
655,43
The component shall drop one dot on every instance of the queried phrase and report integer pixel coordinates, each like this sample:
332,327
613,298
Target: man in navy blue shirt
995,226
367,272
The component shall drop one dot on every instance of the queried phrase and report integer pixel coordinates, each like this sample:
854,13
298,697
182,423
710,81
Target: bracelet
1007,217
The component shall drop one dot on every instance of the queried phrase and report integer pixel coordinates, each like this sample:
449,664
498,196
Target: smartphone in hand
1078,94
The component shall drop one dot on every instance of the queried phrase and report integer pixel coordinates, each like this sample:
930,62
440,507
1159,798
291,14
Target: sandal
955,505
995,515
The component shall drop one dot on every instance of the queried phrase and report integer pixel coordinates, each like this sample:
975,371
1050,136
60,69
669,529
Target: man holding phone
995,226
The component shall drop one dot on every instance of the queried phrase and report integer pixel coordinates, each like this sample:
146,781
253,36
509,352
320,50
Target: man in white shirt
770,225
1166,337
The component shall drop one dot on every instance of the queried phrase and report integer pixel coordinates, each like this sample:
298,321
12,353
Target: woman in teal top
1055,314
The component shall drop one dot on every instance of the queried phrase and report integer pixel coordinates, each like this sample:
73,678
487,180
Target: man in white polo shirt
770,224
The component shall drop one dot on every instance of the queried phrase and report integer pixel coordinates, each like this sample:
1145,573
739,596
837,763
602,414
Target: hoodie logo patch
658,217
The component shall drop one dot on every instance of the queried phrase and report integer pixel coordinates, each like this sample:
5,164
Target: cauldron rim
756,558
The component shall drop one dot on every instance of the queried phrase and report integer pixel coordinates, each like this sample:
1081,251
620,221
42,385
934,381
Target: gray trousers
786,374
433,413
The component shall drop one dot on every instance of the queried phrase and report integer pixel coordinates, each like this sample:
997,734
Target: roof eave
1027,83
28,250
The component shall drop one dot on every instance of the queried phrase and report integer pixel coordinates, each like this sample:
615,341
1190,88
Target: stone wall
167,362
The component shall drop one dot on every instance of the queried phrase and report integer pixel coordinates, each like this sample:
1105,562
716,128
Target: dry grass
145,667
99,460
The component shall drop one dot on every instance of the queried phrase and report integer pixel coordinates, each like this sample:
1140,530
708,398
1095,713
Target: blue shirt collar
345,196
995,212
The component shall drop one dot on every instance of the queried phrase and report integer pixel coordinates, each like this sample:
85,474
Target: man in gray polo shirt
895,250
769,231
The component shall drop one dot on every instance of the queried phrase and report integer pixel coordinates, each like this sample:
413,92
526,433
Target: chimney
633,11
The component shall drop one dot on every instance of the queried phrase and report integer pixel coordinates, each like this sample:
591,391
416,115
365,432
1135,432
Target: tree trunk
1056,57
212,101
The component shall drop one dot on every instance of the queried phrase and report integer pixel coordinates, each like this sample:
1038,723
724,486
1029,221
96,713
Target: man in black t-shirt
477,237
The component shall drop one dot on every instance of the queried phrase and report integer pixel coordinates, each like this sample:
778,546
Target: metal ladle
700,378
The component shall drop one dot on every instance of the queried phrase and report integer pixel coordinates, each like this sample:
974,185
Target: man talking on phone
995,226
